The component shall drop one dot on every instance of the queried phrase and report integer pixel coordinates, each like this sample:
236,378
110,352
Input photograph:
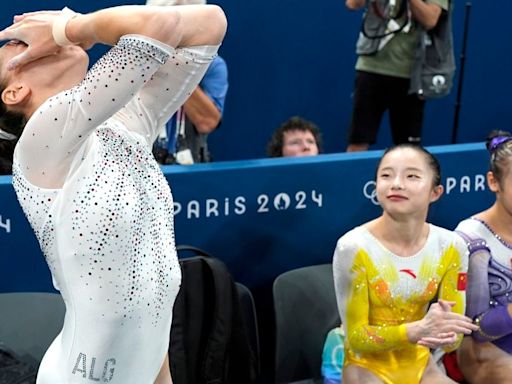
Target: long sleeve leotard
379,292
106,230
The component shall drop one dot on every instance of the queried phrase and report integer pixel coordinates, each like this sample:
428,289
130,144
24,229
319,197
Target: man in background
296,137
386,49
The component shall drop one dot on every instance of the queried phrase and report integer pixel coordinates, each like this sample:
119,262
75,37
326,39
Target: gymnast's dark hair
11,122
499,145
432,161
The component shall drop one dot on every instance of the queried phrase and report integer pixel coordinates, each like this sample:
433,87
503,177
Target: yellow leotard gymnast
379,292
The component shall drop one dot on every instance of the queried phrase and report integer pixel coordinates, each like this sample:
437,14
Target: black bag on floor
209,342
13,370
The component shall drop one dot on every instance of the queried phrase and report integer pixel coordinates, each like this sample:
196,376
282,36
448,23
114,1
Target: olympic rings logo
370,192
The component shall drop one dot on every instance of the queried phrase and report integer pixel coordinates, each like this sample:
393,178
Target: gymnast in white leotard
86,179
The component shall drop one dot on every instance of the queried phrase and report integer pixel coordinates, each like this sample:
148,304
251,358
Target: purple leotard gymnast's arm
487,287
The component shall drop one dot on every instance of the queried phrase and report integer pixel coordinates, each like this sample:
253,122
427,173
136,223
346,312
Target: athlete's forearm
175,26
370,338
494,324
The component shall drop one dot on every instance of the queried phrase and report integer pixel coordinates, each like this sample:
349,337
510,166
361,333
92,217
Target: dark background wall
295,57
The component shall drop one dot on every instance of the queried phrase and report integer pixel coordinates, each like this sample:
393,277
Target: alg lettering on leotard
81,368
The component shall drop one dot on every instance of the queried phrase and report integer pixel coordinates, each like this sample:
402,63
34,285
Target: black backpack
209,340
13,370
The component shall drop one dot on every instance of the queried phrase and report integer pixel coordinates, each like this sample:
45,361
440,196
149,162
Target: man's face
299,143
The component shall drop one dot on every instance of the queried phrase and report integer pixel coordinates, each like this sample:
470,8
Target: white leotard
107,231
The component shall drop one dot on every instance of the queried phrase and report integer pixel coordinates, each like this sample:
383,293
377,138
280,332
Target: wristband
59,27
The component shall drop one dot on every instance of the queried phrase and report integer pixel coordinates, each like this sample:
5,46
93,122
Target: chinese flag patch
462,281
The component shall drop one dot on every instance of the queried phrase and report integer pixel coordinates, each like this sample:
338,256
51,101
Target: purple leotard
489,289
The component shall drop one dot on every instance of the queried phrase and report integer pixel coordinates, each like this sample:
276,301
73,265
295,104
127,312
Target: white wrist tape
59,27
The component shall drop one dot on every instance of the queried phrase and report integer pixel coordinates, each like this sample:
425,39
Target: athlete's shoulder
352,242
470,227
446,240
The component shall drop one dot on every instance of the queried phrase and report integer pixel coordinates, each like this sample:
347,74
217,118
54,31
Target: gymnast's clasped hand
440,326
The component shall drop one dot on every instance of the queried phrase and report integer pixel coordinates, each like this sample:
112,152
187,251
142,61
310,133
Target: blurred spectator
184,138
295,137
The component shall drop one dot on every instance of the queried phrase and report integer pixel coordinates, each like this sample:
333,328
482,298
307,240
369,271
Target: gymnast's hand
440,326
35,30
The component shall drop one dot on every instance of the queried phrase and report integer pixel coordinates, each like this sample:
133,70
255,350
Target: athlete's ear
492,182
437,192
15,94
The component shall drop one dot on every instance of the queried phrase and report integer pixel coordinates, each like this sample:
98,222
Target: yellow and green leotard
379,292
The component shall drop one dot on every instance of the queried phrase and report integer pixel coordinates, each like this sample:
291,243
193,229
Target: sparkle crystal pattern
119,213
506,244
121,227
107,233
36,203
